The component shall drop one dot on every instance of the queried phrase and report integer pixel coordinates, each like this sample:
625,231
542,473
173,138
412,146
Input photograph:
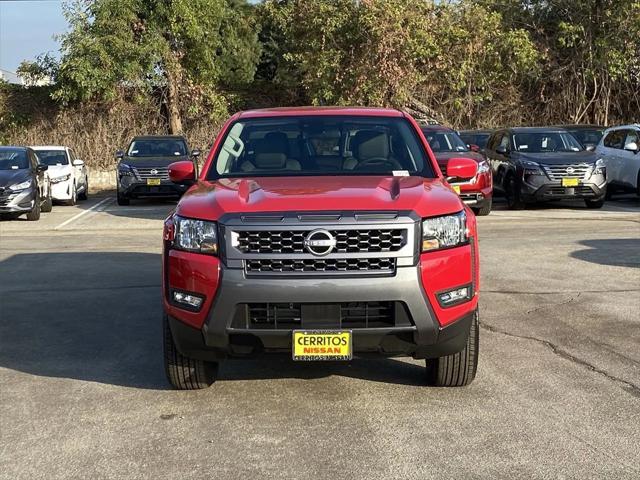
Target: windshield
445,141
546,142
157,148
13,159
53,157
587,137
320,145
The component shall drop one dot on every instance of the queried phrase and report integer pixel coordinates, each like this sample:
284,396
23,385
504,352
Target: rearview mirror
119,154
78,163
195,153
501,150
182,173
590,148
632,147
42,168
474,148
461,169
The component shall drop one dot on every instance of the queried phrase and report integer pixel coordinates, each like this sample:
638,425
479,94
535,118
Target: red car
447,144
322,234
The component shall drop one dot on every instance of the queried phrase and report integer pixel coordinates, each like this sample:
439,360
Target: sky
27,28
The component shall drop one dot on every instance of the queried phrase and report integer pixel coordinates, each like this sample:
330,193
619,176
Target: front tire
185,373
484,210
512,192
47,206
458,369
34,214
85,193
594,204
74,196
121,199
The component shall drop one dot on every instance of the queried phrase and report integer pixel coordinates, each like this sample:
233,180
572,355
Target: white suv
68,174
620,149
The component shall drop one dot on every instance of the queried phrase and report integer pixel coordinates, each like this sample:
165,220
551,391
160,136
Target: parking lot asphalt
83,393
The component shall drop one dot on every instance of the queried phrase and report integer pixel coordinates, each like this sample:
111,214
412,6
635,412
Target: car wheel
47,206
34,214
484,210
594,203
74,196
185,373
122,200
458,369
512,192
85,193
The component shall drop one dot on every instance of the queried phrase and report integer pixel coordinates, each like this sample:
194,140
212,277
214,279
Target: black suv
143,170
24,184
532,164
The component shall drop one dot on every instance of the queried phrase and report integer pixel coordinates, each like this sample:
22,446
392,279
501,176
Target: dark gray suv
534,164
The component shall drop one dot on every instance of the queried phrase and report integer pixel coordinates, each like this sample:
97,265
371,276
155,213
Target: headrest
273,142
370,144
270,161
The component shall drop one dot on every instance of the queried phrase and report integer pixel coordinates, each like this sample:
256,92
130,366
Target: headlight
531,168
599,168
483,167
20,186
198,236
125,170
63,178
444,232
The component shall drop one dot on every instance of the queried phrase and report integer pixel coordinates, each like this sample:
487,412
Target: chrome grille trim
558,172
321,265
145,172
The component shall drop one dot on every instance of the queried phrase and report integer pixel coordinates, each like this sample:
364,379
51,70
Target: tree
181,48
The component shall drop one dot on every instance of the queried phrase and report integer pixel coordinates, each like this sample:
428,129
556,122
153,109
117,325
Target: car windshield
587,137
157,148
445,141
13,159
546,142
479,139
53,157
320,145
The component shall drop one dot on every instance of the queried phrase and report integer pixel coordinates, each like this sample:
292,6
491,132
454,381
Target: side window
34,160
504,141
493,140
72,156
615,139
632,137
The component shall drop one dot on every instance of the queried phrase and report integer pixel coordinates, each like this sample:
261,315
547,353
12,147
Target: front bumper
62,190
555,191
133,188
17,202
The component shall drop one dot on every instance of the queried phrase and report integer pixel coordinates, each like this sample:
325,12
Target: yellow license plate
311,345
456,189
153,181
570,182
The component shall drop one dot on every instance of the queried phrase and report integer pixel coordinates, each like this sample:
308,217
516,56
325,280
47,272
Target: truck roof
320,111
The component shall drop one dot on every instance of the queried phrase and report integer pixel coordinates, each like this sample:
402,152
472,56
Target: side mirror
474,148
182,173
78,163
195,153
42,168
632,147
461,169
119,154
590,148
501,150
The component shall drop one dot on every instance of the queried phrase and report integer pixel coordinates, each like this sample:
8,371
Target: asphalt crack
627,386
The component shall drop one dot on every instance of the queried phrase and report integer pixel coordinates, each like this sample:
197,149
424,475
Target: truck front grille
313,265
152,172
347,241
558,172
350,315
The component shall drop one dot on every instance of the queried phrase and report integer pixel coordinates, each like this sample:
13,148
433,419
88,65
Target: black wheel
34,214
512,192
47,206
458,369
594,203
609,194
85,193
74,196
484,210
122,200
185,373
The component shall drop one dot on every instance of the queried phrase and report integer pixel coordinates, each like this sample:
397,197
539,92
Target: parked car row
32,178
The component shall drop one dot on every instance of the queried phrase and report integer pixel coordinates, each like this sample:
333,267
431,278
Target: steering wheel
378,162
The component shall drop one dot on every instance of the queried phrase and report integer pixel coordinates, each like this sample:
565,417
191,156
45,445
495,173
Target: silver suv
620,150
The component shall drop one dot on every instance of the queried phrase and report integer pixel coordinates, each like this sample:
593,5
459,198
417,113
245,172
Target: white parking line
84,212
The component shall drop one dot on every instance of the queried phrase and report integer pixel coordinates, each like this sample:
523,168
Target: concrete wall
102,179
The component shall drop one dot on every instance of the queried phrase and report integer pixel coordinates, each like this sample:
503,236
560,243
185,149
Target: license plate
456,189
313,345
153,181
570,182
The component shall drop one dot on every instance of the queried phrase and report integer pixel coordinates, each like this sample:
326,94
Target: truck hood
13,177
149,162
211,200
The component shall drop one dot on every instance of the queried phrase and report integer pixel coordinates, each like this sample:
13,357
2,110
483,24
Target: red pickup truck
322,234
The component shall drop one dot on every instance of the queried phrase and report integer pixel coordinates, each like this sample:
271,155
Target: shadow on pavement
97,317
622,252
